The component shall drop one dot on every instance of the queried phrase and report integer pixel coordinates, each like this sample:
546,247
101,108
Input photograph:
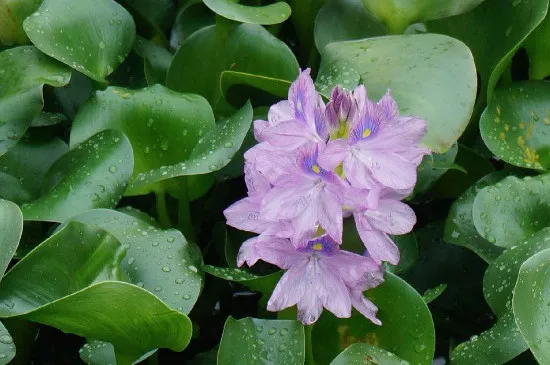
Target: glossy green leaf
190,19
94,174
64,280
408,252
230,80
12,14
345,20
430,76
100,353
263,284
160,261
23,72
512,210
516,124
163,126
11,228
30,160
254,341
268,14
511,22
459,226
433,167
501,276
338,74
158,14
13,190
7,347
399,14
530,303
156,58
45,119
411,337
363,353
496,346
248,48
432,294
538,49
94,53
212,152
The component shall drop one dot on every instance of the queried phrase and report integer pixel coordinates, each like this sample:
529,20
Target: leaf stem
162,210
309,346
185,223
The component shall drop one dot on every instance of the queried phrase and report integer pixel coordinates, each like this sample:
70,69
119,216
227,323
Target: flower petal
247,253
280,112
392,216
365,307
284,202
388,168
379,246
334,153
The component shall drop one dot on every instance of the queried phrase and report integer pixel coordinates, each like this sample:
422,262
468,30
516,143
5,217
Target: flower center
367,132
316,169
317,246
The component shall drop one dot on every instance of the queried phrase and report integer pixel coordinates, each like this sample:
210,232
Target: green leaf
156,59
338,74
459,226
511,21
211,153
163,126
105,30
158,14
7,348
432,294
363,353
230,80
23,72
512,210
433,167
263,284
516,124
268,14
254,341
408,251
248,48
30,160
160,261
12,14
538,49
100,353
94,174
11,228
411,337
13,190
68,277
430,76
45,119
399,14
496,346
530,303
501,276
345,20
190,19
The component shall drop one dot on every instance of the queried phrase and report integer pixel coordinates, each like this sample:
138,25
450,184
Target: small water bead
193,268
166,269
6,339
186,297
272,331
113,169
180,281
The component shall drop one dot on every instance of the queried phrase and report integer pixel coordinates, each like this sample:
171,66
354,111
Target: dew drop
166,269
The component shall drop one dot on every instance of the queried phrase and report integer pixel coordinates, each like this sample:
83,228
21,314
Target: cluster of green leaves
115,112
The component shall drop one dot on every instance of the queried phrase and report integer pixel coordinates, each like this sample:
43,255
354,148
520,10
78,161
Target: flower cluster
315,165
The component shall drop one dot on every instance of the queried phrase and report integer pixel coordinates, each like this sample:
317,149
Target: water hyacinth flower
315,165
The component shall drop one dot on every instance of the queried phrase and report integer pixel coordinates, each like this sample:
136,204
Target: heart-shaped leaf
516,124
399,14
23,72
345,20
262,341
363,353
430,76
30,160
163,126
248,48
511,22
105,30
459,227
263,284
268,14
12,14
498,345
211,153
68,277
530,303
160,261
512,210
411,338
92,175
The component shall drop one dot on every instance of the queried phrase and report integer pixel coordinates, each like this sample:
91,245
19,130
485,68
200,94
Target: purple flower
296,121
318,274
303,192
382,147
340,109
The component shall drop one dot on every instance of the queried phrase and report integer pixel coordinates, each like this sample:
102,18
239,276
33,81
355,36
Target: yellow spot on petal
317,246
366,133
316,169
